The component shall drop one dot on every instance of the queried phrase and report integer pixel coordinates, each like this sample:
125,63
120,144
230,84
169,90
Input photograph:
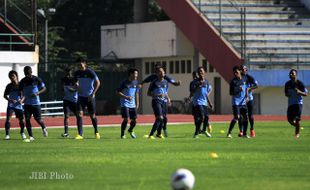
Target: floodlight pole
46,45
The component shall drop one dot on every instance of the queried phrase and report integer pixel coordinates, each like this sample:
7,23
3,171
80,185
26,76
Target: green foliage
272,160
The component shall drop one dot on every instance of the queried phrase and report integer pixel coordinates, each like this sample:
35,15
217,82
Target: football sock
197,125
251,120
156,125
232,125
132,125
7,127
123,127
21,125
205,123
165,123
79,122
66,124
94,122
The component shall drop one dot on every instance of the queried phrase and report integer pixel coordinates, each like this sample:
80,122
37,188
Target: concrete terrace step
269,37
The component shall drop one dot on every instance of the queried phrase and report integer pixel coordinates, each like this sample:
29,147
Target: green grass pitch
272,160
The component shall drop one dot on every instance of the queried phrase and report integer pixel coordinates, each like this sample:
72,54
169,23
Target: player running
88,86
31,87
14,98
129,100
70,88
199,92
295,90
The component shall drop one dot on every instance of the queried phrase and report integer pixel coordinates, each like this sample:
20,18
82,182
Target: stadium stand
277,32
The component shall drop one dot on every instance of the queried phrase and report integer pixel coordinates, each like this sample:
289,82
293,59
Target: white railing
52,108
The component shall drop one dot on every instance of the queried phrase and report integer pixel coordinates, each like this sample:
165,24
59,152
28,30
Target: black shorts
200,111
83,103
129,112
240,110
249,105
160,108
69,106
294,112
34,110
18,113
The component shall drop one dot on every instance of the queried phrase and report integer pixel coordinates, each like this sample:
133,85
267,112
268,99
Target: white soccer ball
182,179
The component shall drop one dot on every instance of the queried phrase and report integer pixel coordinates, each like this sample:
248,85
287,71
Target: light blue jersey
128,88
200,90
12,90
237,90
70,91
29,86
86,82
251,82
159,87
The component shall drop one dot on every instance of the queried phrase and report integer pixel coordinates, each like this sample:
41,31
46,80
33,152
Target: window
152,67
171,67
164,65
177,66
189,66
183,66
204,65
211,69
147,68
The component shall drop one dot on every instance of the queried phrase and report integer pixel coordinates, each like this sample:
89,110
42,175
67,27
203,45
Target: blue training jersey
237,90
293,97
29,86
251,82
153,77
86,81
159,87
12,90
128,88
70,89
200,90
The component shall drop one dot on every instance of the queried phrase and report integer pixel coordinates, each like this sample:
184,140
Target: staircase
203,35
17,26
277,32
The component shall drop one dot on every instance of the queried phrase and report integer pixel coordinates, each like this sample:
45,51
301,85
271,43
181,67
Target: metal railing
240,10
8,41
52,108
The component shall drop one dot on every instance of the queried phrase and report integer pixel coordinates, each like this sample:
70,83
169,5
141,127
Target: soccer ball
182,179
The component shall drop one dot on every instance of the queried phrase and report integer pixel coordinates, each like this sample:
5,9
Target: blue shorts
200,111
34,110
19,113
83,103
160,108
240,110
129,112
294,112
69,106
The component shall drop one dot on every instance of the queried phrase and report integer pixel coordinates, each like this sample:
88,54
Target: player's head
237,71
158,66
13,76
27,71
68,71
243,69
82,63
200,72
293,74
160,72
133,74
194,74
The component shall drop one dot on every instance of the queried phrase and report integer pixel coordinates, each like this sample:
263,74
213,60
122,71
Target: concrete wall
12,60
144,40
